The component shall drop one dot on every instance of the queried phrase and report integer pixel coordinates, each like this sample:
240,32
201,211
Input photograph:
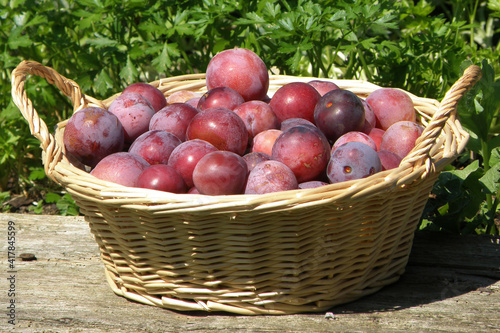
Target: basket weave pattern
279,253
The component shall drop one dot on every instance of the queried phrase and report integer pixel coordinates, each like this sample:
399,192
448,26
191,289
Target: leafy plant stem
364,64
472,16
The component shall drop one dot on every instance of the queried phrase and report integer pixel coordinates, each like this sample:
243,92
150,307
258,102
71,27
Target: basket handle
447,110
53,153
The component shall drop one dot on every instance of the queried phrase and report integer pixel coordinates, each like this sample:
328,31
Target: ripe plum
258,116
182,96
193,101
323,86
338,112
220,97
312,184
253,158
221,127
193,190
264,141
292,122
151,93
155,146
354,136
295,100
376,134
270,176
391,105
353,160
135,113
173,118
241,70
370,119
304,149
186,155
161,177
121,168
91,134
400,137
220,173
388,159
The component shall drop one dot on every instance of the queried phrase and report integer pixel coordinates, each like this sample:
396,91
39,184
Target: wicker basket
280,253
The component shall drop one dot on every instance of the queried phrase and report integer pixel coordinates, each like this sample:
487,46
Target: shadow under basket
280,253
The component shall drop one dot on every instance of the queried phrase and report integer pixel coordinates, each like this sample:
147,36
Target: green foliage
65,204
466,198
104,45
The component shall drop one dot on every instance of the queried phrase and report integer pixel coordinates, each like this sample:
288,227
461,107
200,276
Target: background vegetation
104,45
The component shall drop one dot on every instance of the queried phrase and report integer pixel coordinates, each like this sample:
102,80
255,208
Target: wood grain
451,284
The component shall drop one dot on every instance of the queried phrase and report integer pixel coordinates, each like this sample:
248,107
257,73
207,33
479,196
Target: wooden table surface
452,284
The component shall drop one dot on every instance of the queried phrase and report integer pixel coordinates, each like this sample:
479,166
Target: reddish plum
193,190
270,176
173,118
376,134
370,119
312,184
155,146
254,158
220,97
135,113
220,173
264,141
258,116
161,177
186,155
151,93
323,86
182,96
193,102
91,134
295,100
400,137
388,159
221,127
241,70
121,168
391,105
354,136
353,160
292,122
338,112
304,149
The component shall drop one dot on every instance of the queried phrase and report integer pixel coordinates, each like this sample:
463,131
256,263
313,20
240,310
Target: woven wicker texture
280,253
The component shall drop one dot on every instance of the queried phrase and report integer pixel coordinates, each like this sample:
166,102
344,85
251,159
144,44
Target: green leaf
37,174
251,18
52,197
494,143
491,178
103,82
163,61
495,156
351,37
287,48
494,5
37,20
467,171
16,40
4,196
101,42
129,72
86,19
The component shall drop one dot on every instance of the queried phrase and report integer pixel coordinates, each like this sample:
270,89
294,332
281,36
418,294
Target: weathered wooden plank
451,284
